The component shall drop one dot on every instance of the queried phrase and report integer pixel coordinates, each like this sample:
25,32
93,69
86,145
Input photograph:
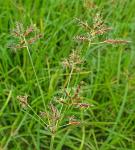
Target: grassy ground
108,74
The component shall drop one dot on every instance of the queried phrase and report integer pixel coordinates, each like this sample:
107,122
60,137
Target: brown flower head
23,100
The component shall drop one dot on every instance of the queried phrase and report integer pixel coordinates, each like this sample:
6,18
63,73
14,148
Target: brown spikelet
22,42
76,94
54,116
15,33
74,123
32,40
83,105
42,113
28,31
63,102
55,113
22,36
74,59
112,41
23,101
19,28
98,22
81,38
77,91
65,63
17,46
67,94
83,24
102,31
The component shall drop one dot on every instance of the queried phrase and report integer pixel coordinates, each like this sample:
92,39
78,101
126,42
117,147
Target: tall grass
108,75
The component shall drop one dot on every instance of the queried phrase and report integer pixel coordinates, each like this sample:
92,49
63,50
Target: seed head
55,115
42,113
81,38
28,31
74,59
112,41
24,36
23,100
83,24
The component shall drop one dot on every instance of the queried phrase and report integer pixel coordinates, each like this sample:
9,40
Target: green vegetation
107,72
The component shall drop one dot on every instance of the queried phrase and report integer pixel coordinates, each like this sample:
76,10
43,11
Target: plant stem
37,115
52,142
40,89
69,78
67,83
83,132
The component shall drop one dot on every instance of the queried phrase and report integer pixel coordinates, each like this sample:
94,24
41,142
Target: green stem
40,89
69,78
37,80
62,114
83,133
37,115
24,60
119,66
52,142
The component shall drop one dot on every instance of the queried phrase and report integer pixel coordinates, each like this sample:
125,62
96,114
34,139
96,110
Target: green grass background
110,124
